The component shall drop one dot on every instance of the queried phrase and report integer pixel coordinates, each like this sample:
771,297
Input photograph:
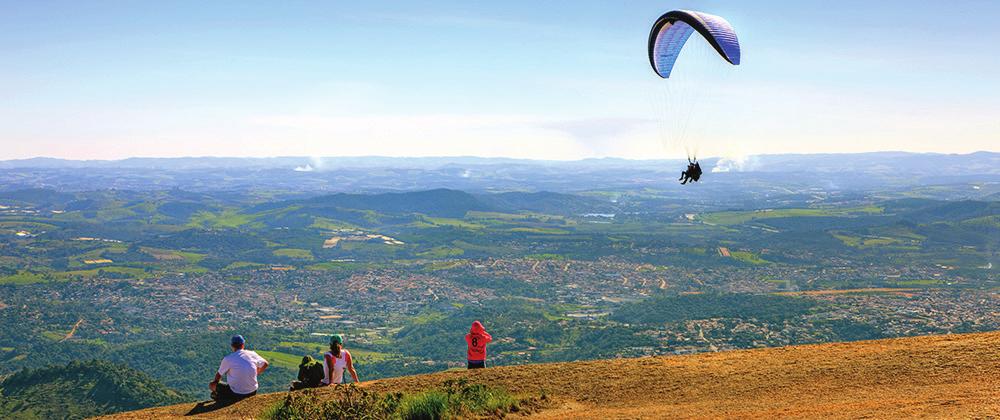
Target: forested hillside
80,389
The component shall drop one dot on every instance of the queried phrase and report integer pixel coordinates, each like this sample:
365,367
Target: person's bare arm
350,368
263,367
215,382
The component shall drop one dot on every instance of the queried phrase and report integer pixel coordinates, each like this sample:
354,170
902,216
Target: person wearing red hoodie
477,339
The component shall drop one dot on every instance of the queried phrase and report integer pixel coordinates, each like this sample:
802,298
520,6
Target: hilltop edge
931,376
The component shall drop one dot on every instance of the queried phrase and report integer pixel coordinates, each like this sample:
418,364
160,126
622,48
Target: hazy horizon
307,159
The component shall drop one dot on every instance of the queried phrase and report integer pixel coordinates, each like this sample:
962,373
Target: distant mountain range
978,162
766,174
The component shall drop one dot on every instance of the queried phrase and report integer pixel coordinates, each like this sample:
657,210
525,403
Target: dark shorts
224,393
477,364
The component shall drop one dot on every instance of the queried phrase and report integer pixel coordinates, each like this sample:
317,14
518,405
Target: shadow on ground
209,406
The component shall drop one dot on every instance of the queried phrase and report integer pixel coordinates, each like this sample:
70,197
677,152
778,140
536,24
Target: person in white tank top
336,361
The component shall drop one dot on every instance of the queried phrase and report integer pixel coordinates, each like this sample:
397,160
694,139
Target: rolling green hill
80,389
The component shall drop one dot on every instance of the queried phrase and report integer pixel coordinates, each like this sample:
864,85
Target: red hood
477,328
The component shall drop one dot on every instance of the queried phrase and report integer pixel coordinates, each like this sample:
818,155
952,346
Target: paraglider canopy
671,31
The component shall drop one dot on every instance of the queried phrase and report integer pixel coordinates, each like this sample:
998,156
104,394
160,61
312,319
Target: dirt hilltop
948,376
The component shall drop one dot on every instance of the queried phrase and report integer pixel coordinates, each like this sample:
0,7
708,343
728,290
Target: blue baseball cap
237,340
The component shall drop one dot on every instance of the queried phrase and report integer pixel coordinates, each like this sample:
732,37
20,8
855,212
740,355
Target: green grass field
748,257
226,219
449,222
862,242
281,360
443,265
488,216
696,251
918,282
289,350
334,266
243,264
77,261
330,224
303,347
992,222
23,277
547,257
497,216
300,254
16,225
54,335
129,272
476,247
442,252
174,255
541,230
370,356
740,217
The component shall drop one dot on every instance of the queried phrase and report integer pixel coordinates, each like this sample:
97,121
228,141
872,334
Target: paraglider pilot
692,174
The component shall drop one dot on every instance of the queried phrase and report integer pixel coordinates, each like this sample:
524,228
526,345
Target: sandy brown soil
950,376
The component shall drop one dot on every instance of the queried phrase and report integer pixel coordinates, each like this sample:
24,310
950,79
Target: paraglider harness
693,172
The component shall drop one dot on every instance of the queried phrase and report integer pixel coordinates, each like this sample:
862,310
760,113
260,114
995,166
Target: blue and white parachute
700,73
671,31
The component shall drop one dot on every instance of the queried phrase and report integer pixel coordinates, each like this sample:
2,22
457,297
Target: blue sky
550,80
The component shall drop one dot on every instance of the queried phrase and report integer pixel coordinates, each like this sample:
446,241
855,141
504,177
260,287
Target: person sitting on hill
335,361
240,368
477,339
310,374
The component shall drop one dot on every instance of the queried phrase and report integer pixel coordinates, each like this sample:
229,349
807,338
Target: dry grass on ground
949,376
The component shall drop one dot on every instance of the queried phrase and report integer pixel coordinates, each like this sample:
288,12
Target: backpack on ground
311,371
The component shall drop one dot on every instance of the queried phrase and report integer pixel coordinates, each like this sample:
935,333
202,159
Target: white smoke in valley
315,164
739,163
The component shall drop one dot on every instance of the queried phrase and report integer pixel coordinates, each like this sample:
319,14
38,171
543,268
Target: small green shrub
351,403
481,399
296,406
431,405
457,399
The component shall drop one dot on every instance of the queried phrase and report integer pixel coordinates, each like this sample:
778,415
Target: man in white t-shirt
240,368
